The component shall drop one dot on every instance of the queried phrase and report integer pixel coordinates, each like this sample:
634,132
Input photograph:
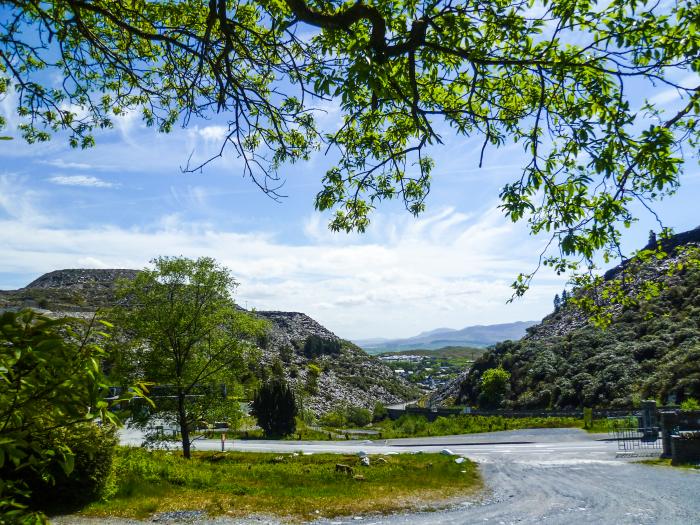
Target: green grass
662,462
293,486
418,426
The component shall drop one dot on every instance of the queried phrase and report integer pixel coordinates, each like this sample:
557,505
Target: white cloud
405,276
64,164
213,133
88,181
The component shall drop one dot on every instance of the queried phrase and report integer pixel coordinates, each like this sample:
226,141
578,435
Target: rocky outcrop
289,328
82,279
347,375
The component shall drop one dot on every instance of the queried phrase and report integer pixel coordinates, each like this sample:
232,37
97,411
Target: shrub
690,405
53,489
50,376
314,371
336,419
494,386
359,416
380,412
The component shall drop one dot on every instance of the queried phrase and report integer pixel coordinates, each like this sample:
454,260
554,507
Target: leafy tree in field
494,387
560,78
183,333
275,408
50,383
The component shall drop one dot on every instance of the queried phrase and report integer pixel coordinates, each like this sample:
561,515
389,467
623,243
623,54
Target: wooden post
223,440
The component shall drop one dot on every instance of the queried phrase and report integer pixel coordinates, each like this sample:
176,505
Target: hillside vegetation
650,350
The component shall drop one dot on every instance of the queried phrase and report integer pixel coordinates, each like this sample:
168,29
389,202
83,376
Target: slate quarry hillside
348,375
650,350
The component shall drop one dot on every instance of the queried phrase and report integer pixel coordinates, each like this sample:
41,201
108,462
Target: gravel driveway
553,476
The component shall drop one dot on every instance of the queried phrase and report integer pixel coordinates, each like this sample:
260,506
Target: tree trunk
184,427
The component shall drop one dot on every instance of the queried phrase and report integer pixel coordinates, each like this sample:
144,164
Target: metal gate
638,441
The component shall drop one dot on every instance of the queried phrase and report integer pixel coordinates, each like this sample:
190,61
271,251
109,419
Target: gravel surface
551,476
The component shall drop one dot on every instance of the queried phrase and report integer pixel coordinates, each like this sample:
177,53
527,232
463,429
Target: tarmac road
551,476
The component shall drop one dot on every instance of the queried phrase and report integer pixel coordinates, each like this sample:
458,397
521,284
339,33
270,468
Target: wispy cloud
69,165
87,181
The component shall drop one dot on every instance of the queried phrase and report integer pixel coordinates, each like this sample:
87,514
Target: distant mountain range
478,336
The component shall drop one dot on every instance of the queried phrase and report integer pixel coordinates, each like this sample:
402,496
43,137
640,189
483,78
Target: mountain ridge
473,335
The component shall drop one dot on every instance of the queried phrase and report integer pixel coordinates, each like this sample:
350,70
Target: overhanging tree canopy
554,76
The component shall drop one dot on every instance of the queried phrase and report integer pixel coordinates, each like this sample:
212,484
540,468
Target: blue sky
126,201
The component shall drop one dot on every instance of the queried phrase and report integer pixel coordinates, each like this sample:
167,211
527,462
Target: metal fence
633,440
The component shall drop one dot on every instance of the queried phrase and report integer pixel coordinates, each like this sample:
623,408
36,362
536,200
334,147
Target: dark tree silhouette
275,408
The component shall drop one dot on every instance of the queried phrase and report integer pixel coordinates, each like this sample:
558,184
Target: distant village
427,372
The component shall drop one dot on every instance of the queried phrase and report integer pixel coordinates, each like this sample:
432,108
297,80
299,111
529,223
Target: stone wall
684,449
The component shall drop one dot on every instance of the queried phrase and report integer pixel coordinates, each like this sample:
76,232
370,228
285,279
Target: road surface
550,476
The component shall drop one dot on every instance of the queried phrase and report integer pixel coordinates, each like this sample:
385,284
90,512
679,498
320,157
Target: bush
359,416
380,412
91,478
314,371
494,387
335,419
49,372
690,404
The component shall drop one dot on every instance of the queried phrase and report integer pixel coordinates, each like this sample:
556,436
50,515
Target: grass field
418,426
292,486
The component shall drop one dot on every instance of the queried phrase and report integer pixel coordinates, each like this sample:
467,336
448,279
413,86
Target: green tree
313,372
557,303
552,76
652,239
494,387
275,408
316,346
182,332
50,382
380,412
358,416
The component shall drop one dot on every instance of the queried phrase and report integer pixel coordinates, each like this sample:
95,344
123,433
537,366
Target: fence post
648,413
668,422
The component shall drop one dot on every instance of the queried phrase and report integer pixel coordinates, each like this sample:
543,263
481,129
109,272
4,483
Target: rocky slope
650,350
347,374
